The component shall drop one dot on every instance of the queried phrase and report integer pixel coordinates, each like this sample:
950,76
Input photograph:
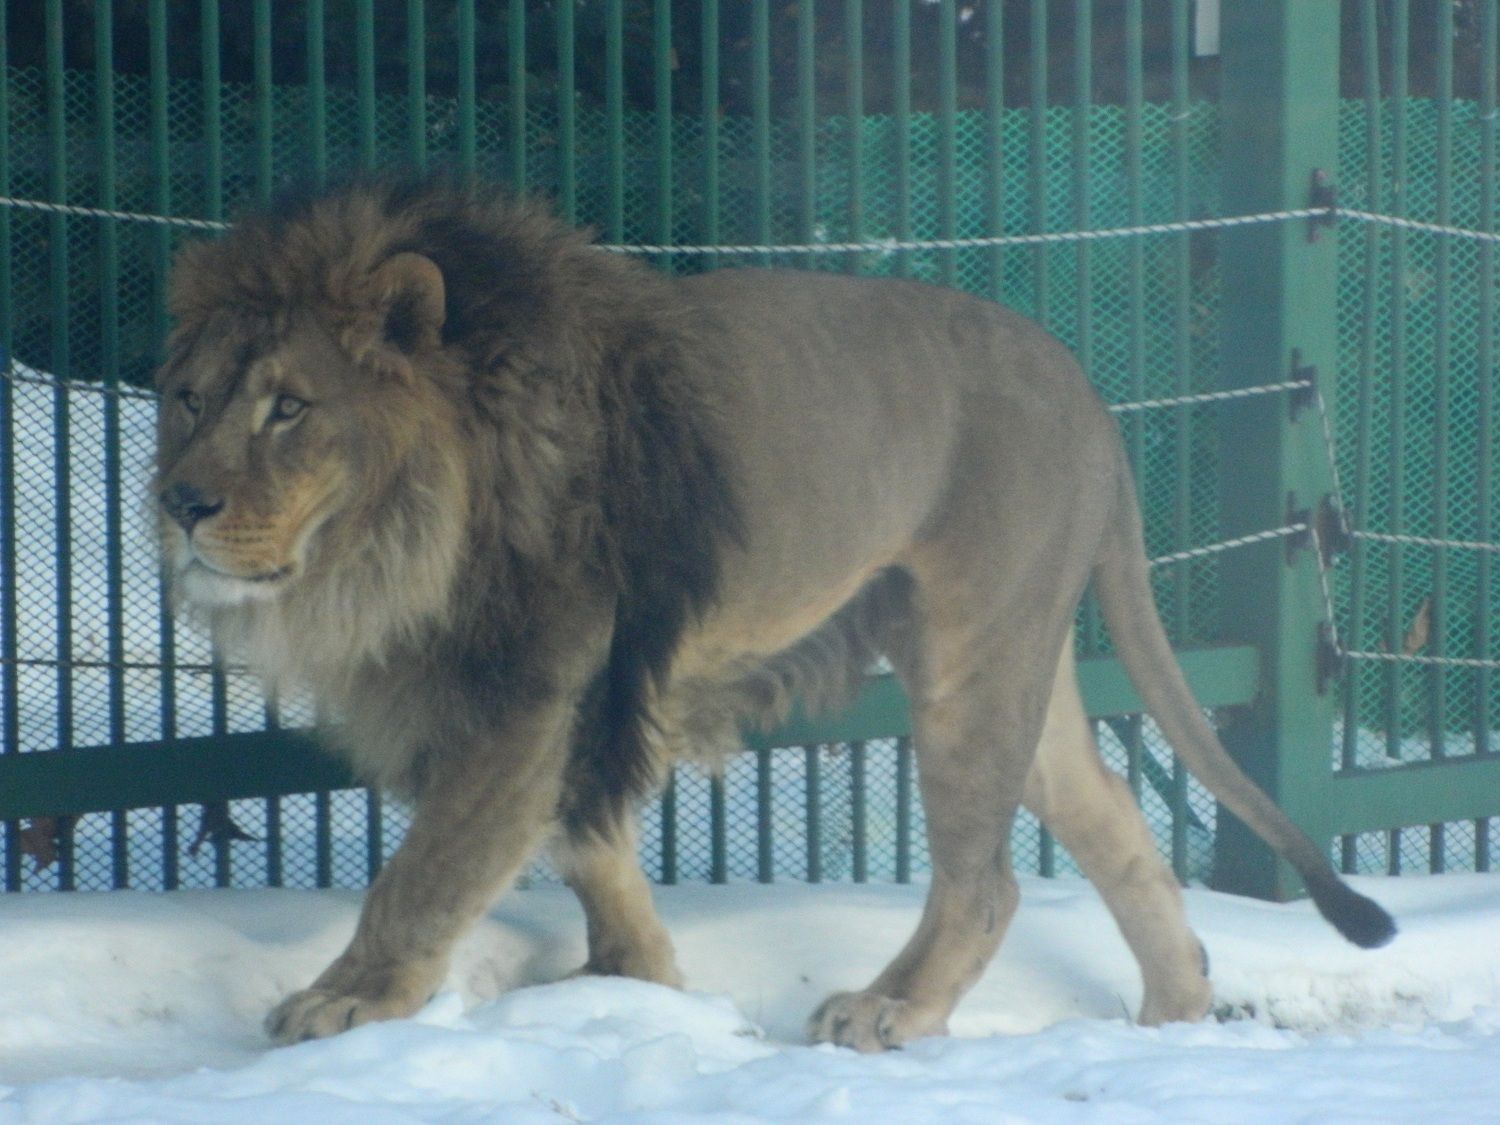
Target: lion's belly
841,425
758,625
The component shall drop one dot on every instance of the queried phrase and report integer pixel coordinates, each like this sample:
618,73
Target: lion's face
280,436
255,455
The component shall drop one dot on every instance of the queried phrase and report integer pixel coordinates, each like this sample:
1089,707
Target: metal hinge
1301,398
1302,540
1330,660
1324,196
1335,537
1326,526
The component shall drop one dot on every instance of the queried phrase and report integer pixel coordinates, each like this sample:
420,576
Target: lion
531,521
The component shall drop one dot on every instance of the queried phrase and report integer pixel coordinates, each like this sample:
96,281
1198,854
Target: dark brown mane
594,437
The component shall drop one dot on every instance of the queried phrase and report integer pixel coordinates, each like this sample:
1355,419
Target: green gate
1347,648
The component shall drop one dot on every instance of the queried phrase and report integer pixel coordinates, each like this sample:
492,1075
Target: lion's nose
188,505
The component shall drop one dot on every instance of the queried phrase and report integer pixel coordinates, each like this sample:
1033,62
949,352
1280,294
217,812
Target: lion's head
398,421
280,436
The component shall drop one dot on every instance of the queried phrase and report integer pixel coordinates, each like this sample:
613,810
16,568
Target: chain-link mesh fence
93,659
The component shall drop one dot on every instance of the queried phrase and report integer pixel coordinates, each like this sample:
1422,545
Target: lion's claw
344,999
315,1013
867,1021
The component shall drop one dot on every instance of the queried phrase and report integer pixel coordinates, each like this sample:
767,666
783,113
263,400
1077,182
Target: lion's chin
204,587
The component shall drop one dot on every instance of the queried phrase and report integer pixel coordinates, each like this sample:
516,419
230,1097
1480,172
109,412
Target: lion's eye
286,407
191,402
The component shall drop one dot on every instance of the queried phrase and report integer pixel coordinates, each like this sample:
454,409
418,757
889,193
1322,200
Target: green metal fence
136,760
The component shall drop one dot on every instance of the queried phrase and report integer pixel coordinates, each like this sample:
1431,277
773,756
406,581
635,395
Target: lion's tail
1125,599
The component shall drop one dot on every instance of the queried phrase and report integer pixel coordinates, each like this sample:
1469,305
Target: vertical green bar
317,90
760,109
1037,157
859,808
1371,323
1135,751
213,195
59,292
264,110
67,869
813,793
903,810
416,82
1083,81
567,116
718,831
374,834
947,169
364,80
1179,806
1484,499
1437,683
765,870
994,104
219,724
901,119
807,124
710,116
1082,187
275,874
10,692
109,355
213,131
467,139
515,61
1135,248
1182,317
1396,313
323,839
1182,421
273,820
614,117
161,256
669,831
854,17
661,57
1280,125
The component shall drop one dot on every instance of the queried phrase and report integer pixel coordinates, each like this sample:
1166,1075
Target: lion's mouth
269,576
204,584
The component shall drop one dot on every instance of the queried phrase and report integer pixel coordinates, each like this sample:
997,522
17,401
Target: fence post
1280,123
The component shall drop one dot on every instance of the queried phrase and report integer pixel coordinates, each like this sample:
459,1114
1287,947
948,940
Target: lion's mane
586,453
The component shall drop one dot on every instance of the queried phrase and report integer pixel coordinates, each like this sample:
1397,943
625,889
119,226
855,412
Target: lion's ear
412,296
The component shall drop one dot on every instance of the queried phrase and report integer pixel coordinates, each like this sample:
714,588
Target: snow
128,1006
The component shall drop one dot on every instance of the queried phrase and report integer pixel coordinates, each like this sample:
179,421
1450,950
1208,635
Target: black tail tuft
1361,920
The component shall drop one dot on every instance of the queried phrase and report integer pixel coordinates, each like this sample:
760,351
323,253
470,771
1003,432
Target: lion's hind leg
1092,813
978,675
625,936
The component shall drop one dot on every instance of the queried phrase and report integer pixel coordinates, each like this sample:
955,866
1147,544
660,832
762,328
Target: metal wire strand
873,246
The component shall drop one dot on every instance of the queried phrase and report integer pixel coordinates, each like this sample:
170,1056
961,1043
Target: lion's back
854,409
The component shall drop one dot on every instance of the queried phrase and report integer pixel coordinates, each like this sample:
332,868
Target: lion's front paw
869,1022
349,1000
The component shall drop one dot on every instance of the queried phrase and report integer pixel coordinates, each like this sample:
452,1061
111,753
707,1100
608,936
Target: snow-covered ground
136,1007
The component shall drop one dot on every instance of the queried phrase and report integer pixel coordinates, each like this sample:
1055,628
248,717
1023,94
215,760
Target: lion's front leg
480,815
626,938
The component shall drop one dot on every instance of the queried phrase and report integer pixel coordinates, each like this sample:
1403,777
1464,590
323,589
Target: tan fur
530,522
